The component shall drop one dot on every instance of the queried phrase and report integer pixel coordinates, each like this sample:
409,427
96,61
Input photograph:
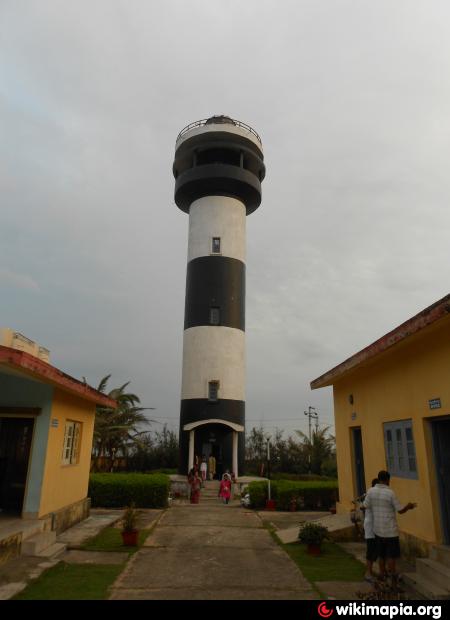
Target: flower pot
313,549
270,504
130,539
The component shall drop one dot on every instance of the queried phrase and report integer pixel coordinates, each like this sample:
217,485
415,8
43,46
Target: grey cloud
350,98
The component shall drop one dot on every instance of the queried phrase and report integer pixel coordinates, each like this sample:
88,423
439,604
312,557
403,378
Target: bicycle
357,516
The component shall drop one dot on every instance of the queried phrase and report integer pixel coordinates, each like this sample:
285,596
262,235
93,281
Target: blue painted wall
19,392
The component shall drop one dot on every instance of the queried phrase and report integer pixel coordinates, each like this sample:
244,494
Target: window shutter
76,443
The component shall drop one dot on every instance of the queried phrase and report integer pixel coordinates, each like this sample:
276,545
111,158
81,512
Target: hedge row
119,490
307,495
300,477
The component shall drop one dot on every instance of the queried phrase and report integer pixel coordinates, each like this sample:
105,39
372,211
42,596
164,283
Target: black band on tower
218,180
196,409
215,282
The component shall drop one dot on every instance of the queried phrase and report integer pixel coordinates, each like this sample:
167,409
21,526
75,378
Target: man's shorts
388,548
372,549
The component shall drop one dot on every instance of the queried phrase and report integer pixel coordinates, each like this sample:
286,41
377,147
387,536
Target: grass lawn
82,581
72,582
334,564
110,539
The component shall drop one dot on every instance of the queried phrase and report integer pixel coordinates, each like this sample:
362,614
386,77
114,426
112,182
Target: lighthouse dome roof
220,119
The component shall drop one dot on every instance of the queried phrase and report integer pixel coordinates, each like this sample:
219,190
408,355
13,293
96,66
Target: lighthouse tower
218,170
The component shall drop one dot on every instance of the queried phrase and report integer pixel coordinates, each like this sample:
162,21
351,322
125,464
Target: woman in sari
195,484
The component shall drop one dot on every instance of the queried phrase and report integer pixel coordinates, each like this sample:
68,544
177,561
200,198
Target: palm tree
116,429
319,448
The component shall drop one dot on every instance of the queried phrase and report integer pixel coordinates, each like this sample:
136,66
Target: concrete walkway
211,551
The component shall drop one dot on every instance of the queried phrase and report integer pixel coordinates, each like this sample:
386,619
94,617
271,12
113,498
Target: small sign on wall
55,423
354,415
435,403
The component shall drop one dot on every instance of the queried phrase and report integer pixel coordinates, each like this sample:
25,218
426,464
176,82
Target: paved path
211,551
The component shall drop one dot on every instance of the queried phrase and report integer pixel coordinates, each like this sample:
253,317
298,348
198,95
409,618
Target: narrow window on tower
213,391
214,315
216,245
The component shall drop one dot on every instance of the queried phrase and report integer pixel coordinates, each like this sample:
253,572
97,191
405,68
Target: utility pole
311,413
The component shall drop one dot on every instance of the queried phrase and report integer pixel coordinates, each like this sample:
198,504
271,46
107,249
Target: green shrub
301,477
308,495
258,493
119,490
312,533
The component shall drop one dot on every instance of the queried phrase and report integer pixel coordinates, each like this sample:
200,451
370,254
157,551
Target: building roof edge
46,373
423,319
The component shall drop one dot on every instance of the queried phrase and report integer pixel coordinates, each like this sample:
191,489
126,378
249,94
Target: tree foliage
158,450
320,449
291,455
116,430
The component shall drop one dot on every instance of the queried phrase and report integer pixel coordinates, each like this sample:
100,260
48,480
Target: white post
191,450
235,453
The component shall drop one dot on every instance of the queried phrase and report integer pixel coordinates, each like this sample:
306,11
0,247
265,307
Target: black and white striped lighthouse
218,170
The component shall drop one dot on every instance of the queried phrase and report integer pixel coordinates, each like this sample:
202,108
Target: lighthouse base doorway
215,440
221,439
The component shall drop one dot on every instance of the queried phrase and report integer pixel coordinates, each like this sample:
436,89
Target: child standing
203,469
225,488
371,542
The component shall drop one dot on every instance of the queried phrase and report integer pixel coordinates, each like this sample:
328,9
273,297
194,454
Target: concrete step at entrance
37,543
53,551
434,571
425,588
441,553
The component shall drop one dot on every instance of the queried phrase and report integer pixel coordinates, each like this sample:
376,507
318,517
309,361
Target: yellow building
392,411
46,431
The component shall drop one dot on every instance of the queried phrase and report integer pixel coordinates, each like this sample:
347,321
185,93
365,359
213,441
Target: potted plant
293,504
312,534
129,530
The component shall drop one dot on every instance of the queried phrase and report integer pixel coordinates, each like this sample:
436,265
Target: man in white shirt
383,504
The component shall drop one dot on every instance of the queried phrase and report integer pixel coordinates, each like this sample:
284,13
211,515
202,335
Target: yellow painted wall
397,385
67,484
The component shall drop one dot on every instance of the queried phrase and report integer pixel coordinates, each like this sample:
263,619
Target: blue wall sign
435,403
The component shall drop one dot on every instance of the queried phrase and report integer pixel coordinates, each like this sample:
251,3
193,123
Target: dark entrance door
214,439
15,444
441,441
360,478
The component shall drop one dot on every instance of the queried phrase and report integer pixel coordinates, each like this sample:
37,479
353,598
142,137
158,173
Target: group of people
380,506
206,466
197,477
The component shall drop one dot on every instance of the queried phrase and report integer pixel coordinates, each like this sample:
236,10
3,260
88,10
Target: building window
71,449
214,315
215,245
400,450
213,391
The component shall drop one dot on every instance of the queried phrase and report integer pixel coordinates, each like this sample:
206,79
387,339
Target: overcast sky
351,99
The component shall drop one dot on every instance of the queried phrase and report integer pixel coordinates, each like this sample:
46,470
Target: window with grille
71,448
214,315
400,449
213,390
215,249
